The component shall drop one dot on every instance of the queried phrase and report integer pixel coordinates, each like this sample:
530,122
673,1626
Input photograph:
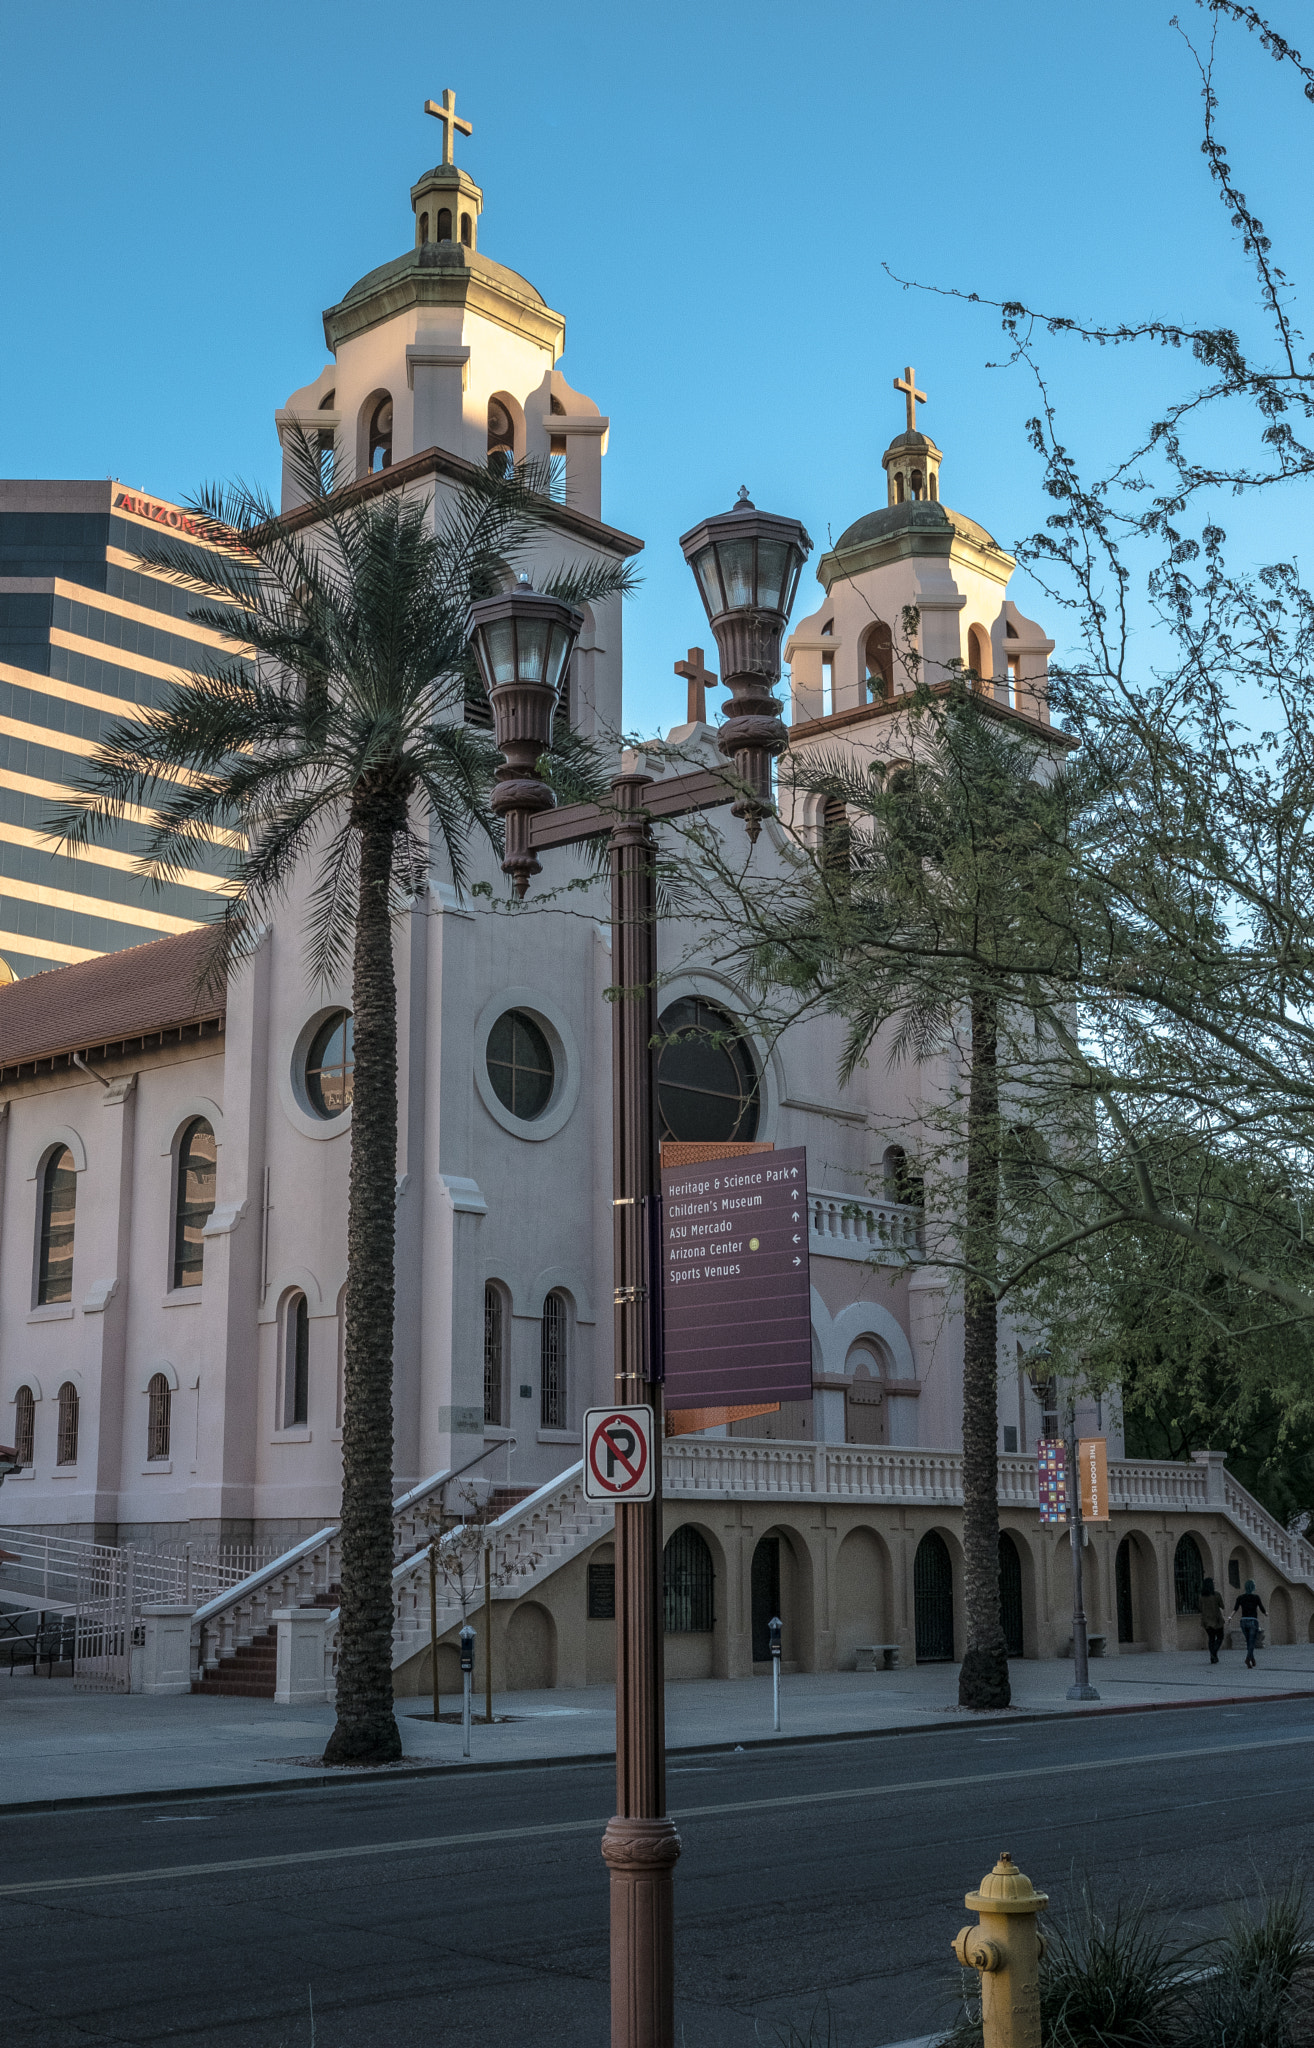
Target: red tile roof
127,995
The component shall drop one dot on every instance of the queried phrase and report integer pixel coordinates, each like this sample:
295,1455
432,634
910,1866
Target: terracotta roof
134,994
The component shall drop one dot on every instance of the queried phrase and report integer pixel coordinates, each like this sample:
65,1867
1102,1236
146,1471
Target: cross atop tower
908,385
446,113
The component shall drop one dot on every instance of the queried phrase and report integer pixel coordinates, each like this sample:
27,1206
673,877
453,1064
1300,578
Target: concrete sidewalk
59,1745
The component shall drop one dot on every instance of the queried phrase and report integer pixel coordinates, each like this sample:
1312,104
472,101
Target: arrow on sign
798,1262
794,1239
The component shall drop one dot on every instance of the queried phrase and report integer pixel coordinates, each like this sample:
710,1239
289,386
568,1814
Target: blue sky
709,194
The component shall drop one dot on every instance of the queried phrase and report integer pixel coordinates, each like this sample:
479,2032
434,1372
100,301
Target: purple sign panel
735,1282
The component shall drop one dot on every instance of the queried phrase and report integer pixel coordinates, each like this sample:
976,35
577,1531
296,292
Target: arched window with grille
689,1581
66,1449
193,1202
552,1346
24,1425
159,1417
493,1355
59,1192
1188,1575
296,1362
379,451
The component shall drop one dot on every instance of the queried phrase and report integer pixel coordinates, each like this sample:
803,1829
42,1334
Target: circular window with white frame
316,1081
526,1063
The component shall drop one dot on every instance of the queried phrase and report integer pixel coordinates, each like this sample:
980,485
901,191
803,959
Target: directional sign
618,1459
735,1281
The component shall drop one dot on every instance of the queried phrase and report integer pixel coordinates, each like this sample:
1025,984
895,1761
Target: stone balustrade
857,1227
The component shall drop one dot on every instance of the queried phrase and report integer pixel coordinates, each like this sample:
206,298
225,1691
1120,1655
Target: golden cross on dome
446,113
908,385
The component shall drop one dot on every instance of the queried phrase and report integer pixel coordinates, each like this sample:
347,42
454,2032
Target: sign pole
640,1845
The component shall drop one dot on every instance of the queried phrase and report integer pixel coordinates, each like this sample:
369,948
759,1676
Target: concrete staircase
250,1671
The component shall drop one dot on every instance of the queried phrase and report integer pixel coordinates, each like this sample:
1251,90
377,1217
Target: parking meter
467,1670
773,1635
467,1648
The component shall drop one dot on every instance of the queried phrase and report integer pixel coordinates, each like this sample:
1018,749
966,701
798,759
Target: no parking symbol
618,1460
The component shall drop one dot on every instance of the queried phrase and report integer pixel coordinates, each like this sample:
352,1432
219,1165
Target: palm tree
337,743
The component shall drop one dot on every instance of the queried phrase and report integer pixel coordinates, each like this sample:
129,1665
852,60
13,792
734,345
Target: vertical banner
1052,1473
1093,1458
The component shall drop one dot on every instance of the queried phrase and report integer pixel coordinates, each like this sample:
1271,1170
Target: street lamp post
1081,1687
522,641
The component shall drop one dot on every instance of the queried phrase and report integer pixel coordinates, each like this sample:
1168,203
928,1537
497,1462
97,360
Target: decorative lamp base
641,1856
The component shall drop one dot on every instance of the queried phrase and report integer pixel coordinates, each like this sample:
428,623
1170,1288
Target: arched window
501,439
493,1355
159,1414
933,1600
379,453
980,654
467,231
1188,1575
330,1066
1122,1582
1010,1594
689,1579
59,1191
193,1202
898,488
902,1182
552,1362
879,656
24,1425
424,227
66,1449
707,1085
933,491
916,484
865,1420
296,1362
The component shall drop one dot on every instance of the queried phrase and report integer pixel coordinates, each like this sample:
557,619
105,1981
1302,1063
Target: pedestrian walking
1251,1607
1212,1618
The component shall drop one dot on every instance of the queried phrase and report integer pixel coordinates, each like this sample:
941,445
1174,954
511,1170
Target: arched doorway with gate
933,1600
1010,1594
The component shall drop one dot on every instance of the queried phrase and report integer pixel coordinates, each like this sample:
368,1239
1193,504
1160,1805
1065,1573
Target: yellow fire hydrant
1006,1948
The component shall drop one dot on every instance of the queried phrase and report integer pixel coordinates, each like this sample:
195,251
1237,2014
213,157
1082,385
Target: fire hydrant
1006,1948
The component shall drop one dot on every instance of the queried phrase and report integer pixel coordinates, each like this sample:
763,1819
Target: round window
707,1088
520,1065
329,1063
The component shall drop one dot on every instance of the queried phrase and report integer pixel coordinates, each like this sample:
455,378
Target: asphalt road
473,1909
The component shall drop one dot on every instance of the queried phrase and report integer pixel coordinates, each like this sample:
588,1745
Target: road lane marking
421,1844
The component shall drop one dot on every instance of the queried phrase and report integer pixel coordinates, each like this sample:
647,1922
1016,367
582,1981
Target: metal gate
933,1600
1122,1577
104,1619
1010,1593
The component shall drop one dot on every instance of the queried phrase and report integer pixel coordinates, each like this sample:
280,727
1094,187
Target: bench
876,1657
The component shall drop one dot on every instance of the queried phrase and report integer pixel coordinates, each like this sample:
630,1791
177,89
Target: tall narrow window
24,1425
879,662
467,231
424,227
380,448
444,233
689,1581
66,1450
59,1190
493,1356
296,1362
159,1417
553,1363
194,1201
501,439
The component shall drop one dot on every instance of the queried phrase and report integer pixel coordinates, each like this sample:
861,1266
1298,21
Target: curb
320,1781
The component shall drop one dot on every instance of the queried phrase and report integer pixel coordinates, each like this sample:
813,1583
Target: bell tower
912,460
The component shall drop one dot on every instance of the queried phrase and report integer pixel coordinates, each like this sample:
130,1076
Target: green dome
917,516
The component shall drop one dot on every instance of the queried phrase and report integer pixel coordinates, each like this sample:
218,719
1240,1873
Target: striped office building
86,634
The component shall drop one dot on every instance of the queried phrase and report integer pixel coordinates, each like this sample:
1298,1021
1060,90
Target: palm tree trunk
366,1730
983,1679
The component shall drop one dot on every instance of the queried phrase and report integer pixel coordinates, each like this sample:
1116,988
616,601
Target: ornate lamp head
522,642
747,566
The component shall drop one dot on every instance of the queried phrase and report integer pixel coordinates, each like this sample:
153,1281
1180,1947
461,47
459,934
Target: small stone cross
698,679
446,113
908,385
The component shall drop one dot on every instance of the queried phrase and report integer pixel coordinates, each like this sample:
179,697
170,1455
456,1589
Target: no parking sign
618,1459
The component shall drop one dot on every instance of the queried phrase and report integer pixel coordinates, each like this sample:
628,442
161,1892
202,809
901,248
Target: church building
173,1167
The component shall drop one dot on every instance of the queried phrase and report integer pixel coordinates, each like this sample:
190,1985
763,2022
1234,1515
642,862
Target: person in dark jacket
1250,1606
1212,1618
